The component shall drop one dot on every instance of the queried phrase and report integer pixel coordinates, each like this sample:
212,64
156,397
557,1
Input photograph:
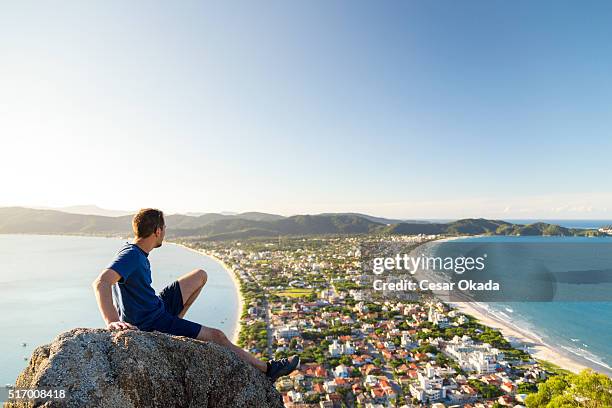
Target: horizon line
65,209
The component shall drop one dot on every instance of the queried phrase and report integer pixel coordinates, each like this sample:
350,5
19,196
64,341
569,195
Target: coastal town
307,296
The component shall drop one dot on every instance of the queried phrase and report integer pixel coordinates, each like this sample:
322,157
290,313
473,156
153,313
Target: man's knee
202,277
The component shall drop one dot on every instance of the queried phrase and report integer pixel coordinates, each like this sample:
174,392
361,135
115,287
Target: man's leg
191,285
217,336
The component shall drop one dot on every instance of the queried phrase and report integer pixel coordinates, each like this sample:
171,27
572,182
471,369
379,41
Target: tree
527,388
395,363
587,389
427,348
486,390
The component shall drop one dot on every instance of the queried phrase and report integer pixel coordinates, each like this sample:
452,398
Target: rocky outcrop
130,368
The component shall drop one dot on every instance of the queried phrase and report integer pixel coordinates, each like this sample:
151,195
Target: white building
295,396
341,371
286,332
430,386
348,348
329,386
438,318
461,320
407,342
336,349
481,358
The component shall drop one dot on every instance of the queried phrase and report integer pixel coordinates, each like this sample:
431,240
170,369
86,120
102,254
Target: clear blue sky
400,108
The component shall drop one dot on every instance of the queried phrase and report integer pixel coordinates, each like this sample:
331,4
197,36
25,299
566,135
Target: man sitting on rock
127,282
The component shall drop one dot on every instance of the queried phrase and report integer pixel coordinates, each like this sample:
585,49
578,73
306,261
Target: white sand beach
520,338
517,336
236,331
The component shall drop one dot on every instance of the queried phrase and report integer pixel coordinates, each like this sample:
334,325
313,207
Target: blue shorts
168,321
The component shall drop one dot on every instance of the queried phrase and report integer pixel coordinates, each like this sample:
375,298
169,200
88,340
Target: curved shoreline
521,337
236,332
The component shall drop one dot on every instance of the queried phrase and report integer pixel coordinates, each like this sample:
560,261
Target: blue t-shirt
133,296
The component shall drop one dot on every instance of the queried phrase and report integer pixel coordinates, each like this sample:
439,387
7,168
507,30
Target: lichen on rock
101,368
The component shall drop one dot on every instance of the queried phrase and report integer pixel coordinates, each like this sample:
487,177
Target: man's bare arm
104,296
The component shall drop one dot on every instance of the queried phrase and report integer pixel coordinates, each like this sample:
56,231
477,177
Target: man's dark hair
147,221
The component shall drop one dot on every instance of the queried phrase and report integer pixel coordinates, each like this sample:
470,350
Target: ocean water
45,289
580,328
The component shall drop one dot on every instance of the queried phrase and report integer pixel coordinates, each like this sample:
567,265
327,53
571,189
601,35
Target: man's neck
145,244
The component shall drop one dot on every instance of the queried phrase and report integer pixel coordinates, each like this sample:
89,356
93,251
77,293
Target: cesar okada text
410,264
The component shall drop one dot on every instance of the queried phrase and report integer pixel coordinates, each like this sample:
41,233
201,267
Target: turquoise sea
45,289
581,327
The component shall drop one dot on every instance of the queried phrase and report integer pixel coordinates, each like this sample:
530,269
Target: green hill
26,220
255,224
468,226
481,226
295,225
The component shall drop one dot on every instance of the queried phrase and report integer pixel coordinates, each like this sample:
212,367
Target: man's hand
120,326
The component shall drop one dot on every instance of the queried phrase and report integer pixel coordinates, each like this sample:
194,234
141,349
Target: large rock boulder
100,368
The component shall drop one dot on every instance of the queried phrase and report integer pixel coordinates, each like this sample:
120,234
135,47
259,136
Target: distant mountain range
379,220
256,224
477,226
88,209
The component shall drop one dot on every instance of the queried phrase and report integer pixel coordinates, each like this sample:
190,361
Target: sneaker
278,368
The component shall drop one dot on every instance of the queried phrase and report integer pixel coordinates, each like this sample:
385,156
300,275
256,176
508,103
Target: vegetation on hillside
214,226
587,389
